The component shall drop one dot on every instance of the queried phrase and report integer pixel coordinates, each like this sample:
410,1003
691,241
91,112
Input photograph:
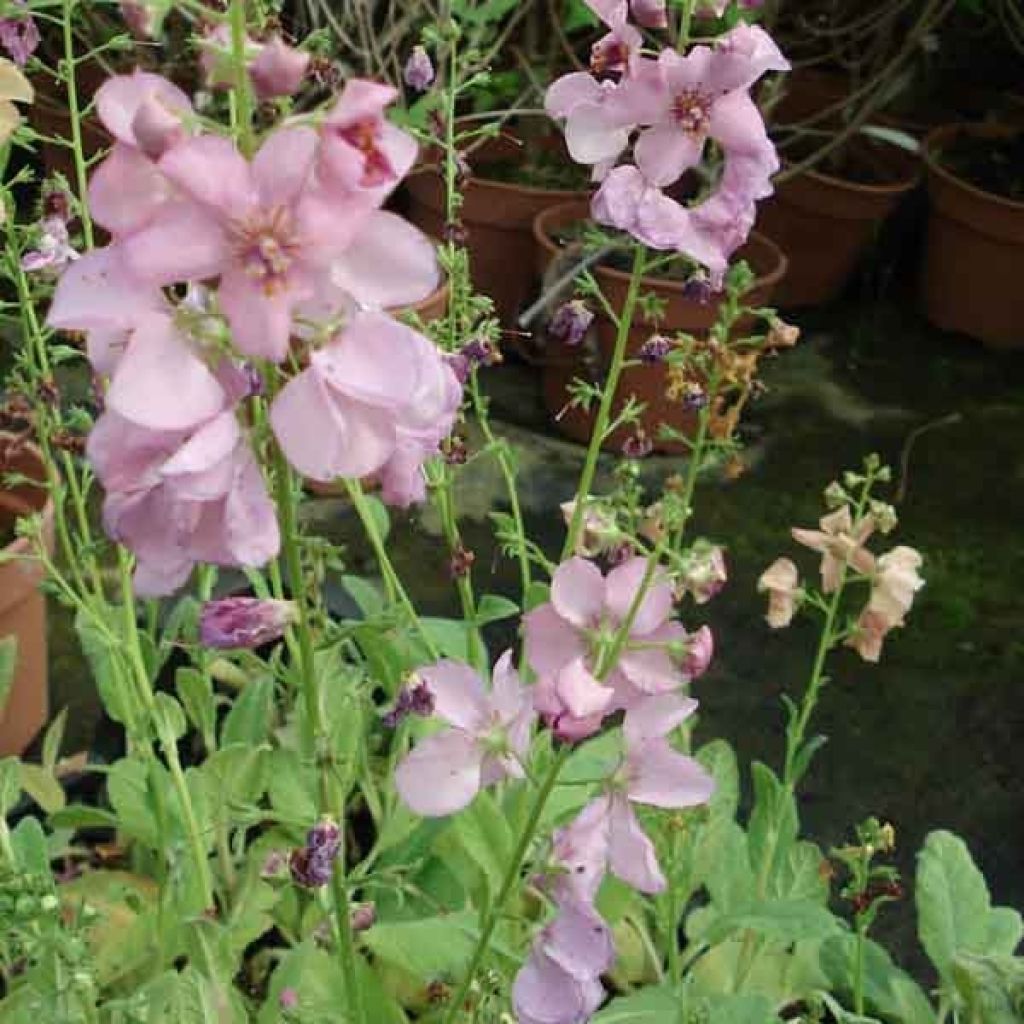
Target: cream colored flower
781,581
14,86
839,544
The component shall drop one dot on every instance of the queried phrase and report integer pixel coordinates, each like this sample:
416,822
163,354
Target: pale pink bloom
585,611
895,583
146,114
869,634
781,581
276,237
216,56
579,859
596,128
231,623
362,153
378,398
652,772
840,544
182,485
140,17
628,201
489,734
97,294
19,35
278,69
699,650
649,13
705,574
702,95
560,982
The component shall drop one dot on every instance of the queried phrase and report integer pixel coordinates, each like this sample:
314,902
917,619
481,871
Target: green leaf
379,514
78,816
772,829
991,987
234,776
537,594
785,920
42,786
484,835
169,718
432,948
98,645
366,595
10,784
248,721
450,636
8,661
28,840
954,910
292,793
53,739
195,691
720,760
649,1006
494,608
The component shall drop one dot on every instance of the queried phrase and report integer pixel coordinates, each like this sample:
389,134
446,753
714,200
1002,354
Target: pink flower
98,295
181,480
489,735
418,73
597,127
362,153
278,69
628,201
276,237
560,982
600,533
19,35
53,251
235,622
652,772
781,582
146,114
840,545
378,398
700,96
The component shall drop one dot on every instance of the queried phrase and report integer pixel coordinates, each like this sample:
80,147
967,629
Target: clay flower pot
824,222
22,606
646,382
975,249
498,217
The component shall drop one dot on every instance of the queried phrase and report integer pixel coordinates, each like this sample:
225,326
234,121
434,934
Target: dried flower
782,335
415,699
312,865
461,561
14,86
235,622
19,35
781,581
638,445
571,322
654,349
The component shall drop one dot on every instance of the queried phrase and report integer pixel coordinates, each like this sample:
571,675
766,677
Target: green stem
78,150
685,23
625,322
391,577
497,908
241,90
314,730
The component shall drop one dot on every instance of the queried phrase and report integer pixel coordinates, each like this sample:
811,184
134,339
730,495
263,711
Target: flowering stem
314,731
685,23
242,95
391,578
77,149
607,397
512,874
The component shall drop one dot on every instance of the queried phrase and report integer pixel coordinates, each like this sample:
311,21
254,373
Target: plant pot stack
972,274
646,383
824,222
22,605
498,217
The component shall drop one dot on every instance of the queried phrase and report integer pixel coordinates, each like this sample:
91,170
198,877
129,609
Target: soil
993,165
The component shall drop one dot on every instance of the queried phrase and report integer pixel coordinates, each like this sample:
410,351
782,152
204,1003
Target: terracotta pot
824,223
498,217
975,250
22,605
646,383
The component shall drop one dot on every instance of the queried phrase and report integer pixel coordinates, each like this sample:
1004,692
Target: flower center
266,244
608,55
692,111
365,136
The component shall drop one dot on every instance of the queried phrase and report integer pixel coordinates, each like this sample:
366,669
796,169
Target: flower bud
571,322
156,127
654,349
419,70
234,622
278,70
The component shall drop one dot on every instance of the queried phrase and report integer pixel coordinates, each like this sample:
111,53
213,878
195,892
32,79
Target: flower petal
577,592
458,692
662,777
663,153
621,587
551,643
631,854
656,717
582,694
126,190
282,167
181,242
260,321
441,775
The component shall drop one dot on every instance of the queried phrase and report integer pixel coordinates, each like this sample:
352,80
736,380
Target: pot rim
540,234
905,184
948,131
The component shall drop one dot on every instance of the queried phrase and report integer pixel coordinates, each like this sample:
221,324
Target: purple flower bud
278,70
254,379
274,865
571,322
639,446
235,622
139,19
289,999
698,289
363,918
480,352
654,349
56,203
19,36
416,699
312,865
419,71
694,396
